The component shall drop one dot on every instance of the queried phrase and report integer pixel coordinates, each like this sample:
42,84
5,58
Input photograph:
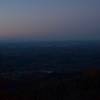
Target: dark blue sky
50,19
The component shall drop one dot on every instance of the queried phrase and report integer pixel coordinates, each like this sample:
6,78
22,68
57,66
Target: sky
50,19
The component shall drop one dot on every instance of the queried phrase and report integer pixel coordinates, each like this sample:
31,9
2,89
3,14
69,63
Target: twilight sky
50,19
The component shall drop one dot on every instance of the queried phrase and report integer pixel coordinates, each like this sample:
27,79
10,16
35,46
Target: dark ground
55,86
24,70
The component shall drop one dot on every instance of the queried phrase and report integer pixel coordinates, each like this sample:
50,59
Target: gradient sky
50,19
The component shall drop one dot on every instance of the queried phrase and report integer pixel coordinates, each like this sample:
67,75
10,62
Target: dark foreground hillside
83,85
